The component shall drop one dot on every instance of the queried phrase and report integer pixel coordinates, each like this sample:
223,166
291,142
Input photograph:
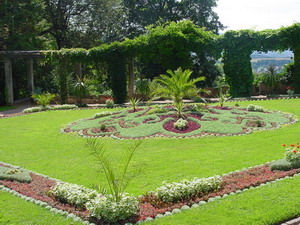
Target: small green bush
110,103
102,127
15,175
102,114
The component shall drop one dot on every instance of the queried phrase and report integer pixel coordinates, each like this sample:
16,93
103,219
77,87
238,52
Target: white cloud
258,14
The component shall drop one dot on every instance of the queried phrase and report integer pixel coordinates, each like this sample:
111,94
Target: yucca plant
177,85
117,182
43,99
134,102
79,88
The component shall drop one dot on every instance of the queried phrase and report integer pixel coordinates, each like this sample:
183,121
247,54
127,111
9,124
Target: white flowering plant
102,114
73,194
109,210
181,124
176,191
255,108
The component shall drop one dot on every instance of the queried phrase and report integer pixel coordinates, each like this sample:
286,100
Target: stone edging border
168,213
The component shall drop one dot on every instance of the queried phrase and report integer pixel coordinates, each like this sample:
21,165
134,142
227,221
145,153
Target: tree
141,13
177,85
271,78
60,14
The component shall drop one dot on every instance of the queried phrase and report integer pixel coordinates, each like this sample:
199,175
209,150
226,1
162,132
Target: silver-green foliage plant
177,85
117,182
181,124
107,209
73,194
43,99
176,191
102,114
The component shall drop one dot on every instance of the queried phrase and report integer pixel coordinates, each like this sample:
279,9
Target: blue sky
258,14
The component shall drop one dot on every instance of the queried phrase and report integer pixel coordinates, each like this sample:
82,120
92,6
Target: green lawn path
34,142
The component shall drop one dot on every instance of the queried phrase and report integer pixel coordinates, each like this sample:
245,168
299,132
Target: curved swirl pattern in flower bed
127,124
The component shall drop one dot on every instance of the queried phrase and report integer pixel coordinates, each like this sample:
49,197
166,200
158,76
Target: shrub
157,110
181,124
102,114
237,105
43,99
109,103
73,194
102,127
65,107
255,108
32,110
107,209
172,192
15,175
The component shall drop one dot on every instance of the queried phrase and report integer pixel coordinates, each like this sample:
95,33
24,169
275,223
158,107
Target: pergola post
131,78
8,82
78,70
30,75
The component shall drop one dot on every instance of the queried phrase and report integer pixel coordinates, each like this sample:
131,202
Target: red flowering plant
290,91
292,152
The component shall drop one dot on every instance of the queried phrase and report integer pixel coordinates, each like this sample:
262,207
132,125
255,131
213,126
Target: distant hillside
285,54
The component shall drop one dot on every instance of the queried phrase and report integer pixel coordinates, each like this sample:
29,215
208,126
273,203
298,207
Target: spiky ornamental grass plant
134,102
177,85
117,183
43,99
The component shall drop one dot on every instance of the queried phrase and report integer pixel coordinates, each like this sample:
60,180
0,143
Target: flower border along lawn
33,142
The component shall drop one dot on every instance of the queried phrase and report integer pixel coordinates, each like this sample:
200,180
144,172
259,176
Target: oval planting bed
148,122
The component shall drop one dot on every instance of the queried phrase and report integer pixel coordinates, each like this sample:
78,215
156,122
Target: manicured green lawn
3,108
35,143
17,211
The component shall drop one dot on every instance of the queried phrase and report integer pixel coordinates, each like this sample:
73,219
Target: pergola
7,56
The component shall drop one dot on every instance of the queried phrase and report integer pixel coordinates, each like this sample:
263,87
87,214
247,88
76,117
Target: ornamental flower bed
151,205
148,122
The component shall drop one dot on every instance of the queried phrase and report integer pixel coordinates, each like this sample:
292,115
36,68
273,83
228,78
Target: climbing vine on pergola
239,45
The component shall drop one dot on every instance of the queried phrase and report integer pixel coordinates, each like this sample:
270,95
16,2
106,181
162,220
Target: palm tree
271,78
177,85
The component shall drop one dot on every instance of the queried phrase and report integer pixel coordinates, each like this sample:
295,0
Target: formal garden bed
171,198
198,120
